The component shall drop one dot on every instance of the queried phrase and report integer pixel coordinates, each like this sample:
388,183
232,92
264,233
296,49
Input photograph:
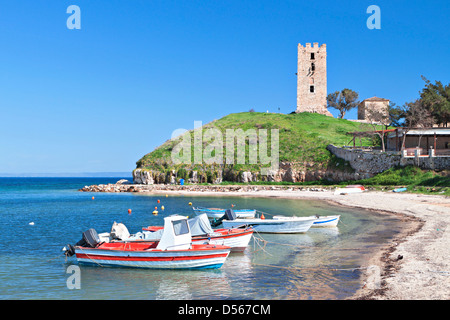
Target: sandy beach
414,265
423,270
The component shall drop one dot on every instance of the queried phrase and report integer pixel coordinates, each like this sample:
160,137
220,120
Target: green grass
303,139
413,178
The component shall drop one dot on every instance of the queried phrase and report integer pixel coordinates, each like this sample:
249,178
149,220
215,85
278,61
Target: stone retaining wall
374,162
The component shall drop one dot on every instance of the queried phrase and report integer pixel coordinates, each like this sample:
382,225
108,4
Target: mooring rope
90,257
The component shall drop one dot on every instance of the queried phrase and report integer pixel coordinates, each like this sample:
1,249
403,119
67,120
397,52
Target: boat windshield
180,227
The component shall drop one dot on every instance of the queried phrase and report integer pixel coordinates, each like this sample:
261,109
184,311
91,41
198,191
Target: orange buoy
232,205
158,201
93,198
262,216
129,211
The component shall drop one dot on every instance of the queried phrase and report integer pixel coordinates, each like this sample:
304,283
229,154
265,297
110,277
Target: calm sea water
301,266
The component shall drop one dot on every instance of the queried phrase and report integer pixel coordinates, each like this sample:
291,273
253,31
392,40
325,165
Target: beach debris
399,257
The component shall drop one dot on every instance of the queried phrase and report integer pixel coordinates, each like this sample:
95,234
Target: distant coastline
68,175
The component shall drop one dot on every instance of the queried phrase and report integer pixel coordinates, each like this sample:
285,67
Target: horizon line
105,174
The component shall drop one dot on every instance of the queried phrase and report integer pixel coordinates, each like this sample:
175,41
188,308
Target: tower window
312,56
311,89
313,66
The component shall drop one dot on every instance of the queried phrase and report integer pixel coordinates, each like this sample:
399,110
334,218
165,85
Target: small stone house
376,104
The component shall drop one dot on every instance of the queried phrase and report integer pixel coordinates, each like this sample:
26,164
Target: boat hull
198,257
319,222
349,189
218,213
236,239
326,222
300,225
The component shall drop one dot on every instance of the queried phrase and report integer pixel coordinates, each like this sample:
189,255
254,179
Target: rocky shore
197,188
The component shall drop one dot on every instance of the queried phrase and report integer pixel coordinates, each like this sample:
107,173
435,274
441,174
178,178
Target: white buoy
31,223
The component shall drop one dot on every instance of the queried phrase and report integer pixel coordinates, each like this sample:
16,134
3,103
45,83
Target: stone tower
312,79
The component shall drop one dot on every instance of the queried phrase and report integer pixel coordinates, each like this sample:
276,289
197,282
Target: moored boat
319,221
215,213
202,233
325,221
281,225
174,250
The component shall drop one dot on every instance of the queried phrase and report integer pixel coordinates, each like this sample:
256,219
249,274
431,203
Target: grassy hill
303,139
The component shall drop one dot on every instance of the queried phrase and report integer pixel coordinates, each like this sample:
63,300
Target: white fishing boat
281,225
350,189
215,213
325,221
174,250
319,221
202,233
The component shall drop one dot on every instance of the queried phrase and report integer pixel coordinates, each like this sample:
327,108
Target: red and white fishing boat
202,233
355,188
174,250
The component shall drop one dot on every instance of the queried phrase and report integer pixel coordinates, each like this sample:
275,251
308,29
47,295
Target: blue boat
400,190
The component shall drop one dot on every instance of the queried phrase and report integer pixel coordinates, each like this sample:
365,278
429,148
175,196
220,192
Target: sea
40,216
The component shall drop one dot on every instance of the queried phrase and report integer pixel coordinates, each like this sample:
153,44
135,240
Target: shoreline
423,270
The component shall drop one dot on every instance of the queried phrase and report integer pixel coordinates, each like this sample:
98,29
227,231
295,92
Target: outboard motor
90,239
229,215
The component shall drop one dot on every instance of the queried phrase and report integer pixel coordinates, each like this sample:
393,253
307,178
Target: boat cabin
176,234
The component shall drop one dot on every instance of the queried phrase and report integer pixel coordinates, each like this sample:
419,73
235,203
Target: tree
436,97
379,118
343,101
416,114
396,114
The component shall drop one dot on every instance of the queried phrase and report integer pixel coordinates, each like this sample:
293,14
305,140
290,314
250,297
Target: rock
123,181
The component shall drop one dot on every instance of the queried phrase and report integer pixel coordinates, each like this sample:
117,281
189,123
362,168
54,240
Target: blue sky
99,98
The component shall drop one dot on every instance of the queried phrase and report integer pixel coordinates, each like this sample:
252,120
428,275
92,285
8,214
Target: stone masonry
312,79
376,105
